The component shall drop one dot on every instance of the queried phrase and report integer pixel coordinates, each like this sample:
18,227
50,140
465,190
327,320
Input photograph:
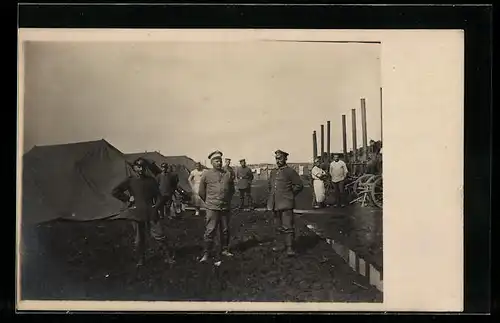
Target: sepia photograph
202,170
236,171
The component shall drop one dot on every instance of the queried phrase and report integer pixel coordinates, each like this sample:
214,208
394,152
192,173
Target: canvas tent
72,181
184,165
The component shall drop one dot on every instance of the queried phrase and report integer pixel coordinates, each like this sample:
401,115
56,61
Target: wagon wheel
360,183
359,180
377,192
349,188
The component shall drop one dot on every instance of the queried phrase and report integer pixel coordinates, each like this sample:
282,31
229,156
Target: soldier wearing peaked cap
143,192
216,190
167,183
284,185
244,177
229,168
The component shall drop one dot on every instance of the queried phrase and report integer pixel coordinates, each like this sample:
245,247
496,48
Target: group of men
337,173
213,189
216,190
243,177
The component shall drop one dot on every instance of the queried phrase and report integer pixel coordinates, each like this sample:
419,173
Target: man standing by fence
216,190
284,185
244,177
338,173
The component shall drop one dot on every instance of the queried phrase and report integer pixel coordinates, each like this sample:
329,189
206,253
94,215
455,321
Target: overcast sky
246,99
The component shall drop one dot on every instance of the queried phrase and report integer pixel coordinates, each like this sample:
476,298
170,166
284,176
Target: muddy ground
95,261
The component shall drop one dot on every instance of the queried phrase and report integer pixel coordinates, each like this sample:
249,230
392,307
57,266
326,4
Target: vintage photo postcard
240,170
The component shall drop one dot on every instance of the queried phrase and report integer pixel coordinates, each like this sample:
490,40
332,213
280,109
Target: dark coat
167,183
284,185
244,176
145,192
231,171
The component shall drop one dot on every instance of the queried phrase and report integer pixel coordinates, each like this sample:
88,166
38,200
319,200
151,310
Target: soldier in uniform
176,198
142,191
284,185
244,177
216,190
228,168
167,185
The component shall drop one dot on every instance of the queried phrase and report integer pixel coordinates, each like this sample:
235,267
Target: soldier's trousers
285,224
164,204
246,192
216,222
141,229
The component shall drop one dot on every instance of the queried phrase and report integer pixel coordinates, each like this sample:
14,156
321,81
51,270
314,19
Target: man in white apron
194,181
318,177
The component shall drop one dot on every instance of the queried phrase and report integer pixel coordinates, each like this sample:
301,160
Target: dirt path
94,261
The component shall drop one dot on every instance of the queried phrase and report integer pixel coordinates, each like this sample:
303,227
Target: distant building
262,171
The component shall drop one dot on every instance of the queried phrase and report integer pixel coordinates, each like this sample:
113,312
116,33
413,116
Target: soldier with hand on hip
244,178
142,191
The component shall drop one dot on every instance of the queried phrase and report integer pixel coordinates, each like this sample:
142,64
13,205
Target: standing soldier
228,168
284,185
142,191
176,197
244,177
216,189
166,183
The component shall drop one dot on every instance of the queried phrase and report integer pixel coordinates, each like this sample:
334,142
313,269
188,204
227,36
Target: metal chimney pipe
381,122
354,138
328,141
364,130
344,137
315,145
322,141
